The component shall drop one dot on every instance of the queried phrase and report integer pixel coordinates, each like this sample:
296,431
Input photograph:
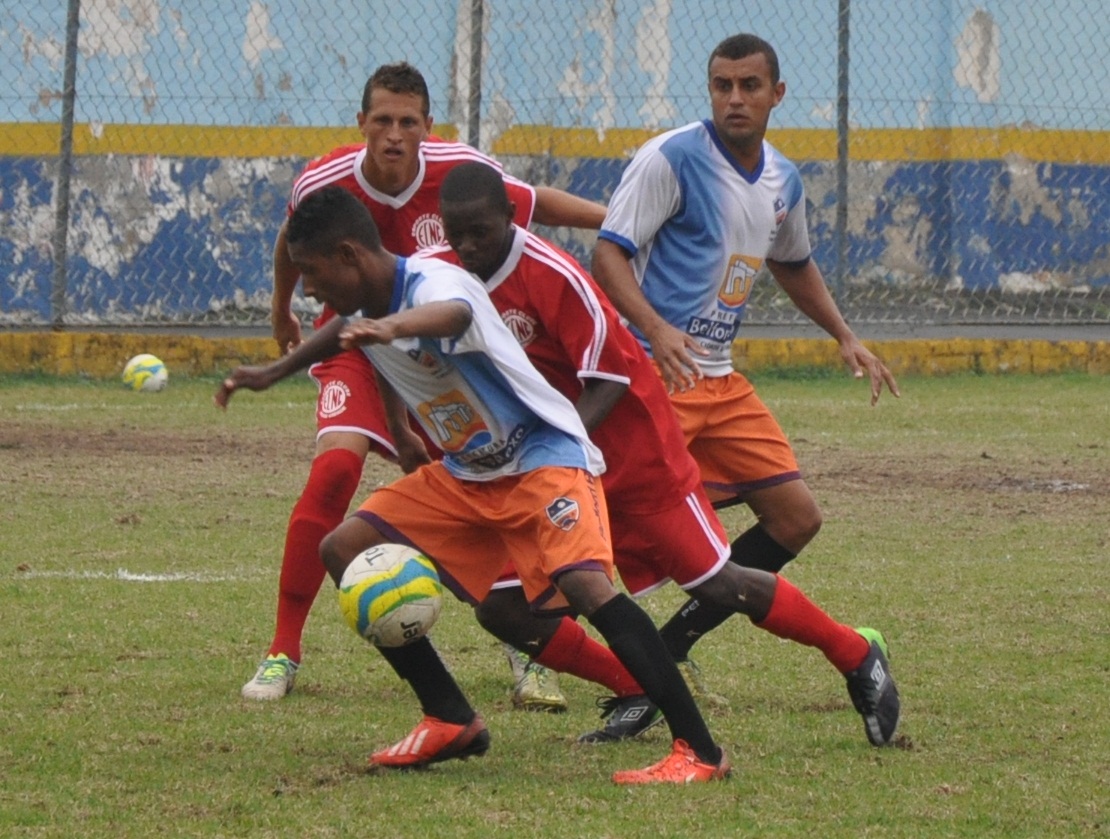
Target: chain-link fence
956,156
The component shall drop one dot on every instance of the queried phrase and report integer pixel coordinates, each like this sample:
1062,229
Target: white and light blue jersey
699,227
478,396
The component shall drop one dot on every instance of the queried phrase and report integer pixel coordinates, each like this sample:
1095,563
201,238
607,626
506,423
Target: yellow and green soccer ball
145,372
391,595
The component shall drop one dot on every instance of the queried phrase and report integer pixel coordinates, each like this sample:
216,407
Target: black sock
689,623
419,664
753,548
633,638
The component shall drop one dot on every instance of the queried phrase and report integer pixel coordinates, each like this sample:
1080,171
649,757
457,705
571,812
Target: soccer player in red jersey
662,522
396,174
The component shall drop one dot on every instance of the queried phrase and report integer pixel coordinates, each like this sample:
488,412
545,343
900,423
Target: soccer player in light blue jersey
698,212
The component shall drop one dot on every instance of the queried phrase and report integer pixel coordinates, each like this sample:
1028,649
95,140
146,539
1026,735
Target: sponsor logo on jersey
333,399
521,325
715,331
563,512
494,454
737,282
453,420
427,230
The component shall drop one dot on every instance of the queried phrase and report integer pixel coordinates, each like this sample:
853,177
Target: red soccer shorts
686,543
348,400
546,521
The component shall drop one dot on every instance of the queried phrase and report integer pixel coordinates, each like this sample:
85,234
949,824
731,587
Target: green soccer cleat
873,692
274,678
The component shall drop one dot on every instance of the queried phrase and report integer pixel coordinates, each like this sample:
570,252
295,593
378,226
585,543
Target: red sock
571,650
794,616
332,482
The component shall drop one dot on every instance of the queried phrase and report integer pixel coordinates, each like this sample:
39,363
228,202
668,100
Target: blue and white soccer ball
145,372
391,595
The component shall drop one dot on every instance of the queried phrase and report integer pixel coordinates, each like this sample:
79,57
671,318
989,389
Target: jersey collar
750,177
393,201
511,261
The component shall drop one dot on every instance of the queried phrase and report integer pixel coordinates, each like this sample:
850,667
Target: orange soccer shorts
546,521
738,445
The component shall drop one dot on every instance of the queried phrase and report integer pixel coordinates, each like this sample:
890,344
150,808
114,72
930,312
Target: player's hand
861,360
365,331
411,451
251,378
673,351
287,331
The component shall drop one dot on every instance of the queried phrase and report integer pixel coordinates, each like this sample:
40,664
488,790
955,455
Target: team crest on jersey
424,358
333,399
563,512
780,211
427,230
521,325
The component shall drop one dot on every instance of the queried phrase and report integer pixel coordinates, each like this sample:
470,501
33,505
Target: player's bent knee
339,548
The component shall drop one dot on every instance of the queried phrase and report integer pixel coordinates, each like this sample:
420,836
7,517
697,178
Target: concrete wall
102,355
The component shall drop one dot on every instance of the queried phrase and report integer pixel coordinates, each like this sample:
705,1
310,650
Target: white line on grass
132,577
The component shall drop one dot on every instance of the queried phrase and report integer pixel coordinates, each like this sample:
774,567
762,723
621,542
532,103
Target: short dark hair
474,180
399,77
328,216
741,46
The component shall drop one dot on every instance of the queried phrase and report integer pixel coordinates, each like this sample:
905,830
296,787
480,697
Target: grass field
140,538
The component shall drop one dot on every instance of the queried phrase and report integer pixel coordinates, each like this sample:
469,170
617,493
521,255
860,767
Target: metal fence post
65,169
474,103
842,50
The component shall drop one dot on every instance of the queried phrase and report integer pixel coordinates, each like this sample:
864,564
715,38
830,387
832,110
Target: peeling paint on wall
978,56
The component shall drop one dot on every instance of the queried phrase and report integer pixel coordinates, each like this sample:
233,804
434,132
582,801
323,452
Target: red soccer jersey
409,221
571,331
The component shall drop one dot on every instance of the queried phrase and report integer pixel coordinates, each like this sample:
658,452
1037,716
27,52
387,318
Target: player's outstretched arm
285,325
805,286
557,208
324,344
441,319
671,348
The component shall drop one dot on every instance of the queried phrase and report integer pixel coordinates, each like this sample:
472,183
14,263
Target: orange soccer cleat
432,741
681,766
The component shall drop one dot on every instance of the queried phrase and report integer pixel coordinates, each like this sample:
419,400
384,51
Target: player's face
742,96
394,127
331,278
479,234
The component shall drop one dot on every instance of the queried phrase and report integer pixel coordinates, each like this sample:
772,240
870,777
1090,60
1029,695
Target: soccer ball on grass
145,372
390,595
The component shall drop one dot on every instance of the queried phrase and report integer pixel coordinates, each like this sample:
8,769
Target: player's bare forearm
671,348
807,290
613,272
557,208
323,344
597,399
411,451
442,319
286,327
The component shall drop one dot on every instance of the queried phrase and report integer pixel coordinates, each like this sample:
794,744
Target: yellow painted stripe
886,144
102,355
